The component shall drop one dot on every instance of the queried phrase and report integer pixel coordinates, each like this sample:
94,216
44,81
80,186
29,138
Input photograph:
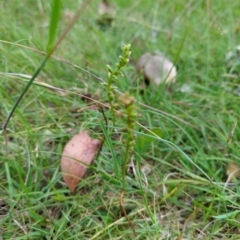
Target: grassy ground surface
176,186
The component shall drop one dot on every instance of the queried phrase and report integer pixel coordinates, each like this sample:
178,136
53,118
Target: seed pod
156,68
77,155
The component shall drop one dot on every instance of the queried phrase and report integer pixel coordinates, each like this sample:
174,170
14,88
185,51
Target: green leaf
54,20
143,141
150,137
227,215
157,131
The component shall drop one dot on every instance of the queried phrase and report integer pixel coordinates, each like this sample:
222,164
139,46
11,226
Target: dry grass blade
54,57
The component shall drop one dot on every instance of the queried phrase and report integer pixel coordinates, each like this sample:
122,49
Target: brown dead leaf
232,171
156,68
77,155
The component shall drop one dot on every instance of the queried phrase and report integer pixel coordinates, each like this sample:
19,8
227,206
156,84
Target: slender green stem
23,93
125,161
49,53
130,117
110,81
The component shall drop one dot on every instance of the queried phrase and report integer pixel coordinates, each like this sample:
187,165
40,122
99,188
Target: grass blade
70,25
54,20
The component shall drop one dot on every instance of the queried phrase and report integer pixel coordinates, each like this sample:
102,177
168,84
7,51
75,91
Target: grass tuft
185,137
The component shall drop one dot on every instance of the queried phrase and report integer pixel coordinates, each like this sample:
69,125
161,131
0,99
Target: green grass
184,196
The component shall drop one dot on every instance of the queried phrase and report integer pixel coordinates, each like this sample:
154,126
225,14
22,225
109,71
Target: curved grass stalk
50,50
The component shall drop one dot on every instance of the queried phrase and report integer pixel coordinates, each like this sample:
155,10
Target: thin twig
69,26
56,58
125,214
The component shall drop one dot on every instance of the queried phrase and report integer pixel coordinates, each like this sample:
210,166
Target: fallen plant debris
107,13
232,171
156,68
4,208
77,155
